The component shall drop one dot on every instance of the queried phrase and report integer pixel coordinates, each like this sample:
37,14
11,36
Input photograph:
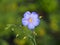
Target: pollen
30,20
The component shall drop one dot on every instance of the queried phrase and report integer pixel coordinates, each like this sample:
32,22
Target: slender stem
33,38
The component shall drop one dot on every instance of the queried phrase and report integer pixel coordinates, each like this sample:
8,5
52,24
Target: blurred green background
12,32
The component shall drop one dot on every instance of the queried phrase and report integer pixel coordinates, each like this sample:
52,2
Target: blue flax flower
30,19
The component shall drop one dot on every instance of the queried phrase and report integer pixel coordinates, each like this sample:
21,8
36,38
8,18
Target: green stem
33,38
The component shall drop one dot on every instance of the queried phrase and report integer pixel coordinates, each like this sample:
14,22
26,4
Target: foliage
12,32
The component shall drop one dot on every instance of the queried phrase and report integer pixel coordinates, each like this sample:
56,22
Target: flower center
30,20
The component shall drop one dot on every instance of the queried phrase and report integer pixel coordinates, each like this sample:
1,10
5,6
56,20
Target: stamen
30,20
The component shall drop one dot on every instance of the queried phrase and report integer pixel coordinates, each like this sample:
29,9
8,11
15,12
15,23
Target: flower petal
24,22
34,15
27,14
36,22
31,26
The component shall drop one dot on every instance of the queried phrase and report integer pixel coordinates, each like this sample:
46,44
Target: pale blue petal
24,22
34,15
31,26
27,14
36,22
